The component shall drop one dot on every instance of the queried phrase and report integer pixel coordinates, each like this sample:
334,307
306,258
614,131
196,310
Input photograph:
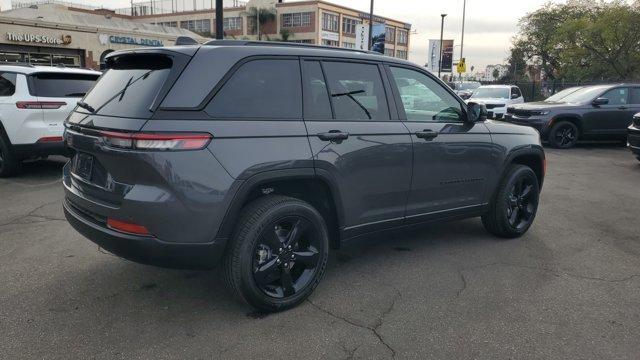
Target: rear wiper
78,94
86,106
350,96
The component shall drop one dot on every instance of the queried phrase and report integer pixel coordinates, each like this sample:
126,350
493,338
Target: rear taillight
47,139
126,227
47,105
157,141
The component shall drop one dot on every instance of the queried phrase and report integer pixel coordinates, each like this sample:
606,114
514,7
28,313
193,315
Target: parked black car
633,138
263,156
598,112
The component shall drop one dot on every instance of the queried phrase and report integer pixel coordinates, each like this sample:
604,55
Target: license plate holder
84,166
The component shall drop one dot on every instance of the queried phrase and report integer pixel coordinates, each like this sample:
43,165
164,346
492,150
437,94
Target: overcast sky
489,27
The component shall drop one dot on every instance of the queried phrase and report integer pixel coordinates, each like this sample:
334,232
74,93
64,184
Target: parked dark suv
597,112
265,156
633,138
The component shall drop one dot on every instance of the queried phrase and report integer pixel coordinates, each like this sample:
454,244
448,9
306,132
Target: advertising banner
362,37
433,60
378,37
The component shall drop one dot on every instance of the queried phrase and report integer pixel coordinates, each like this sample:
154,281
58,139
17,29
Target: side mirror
600,101
476,112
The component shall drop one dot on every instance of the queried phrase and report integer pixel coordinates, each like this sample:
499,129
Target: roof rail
282,43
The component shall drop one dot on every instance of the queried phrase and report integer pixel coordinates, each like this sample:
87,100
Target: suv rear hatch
118,171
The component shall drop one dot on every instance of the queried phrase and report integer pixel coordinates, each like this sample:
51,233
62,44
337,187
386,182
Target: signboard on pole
462,66
362,37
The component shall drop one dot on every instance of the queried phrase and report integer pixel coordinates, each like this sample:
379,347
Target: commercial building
311,22
54,33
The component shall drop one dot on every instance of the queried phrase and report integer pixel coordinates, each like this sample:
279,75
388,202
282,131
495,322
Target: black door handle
427,134
333,135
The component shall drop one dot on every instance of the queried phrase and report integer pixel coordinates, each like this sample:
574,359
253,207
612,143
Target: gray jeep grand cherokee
264,156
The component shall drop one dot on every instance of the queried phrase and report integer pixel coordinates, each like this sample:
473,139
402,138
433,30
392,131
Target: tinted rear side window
61,84
635,95
316,96
260,89
130,86
357,91
7,84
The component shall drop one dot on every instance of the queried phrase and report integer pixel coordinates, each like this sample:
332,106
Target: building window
202,26
403,37
333,43
168,24
390,35
296,20
330,22
401,54
389,52
348,45
304,41
349,25
232,23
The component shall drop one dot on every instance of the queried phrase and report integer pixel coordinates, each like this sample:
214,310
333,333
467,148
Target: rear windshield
62,84
129,87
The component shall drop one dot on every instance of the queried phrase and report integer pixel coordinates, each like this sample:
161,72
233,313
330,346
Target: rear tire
278,253
514,207
563,135
9,165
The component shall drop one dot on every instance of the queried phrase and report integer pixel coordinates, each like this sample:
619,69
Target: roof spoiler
186,40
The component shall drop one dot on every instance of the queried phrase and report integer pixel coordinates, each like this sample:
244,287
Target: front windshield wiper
350,96
86,106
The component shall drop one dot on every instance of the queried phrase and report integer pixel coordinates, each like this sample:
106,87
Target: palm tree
262,16
285,34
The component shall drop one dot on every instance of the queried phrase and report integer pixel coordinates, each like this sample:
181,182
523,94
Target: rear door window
357,91
61,85
268,89
7,84
635,96
130,86
316,96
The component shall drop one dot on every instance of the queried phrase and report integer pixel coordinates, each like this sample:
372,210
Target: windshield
467,86
490,92
561,94
129,88
584,94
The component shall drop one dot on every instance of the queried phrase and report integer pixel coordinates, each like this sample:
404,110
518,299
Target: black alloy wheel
515,204
278,253
563,135
521,205
286,257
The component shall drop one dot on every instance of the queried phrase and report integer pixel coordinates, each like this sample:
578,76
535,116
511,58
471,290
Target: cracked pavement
569,289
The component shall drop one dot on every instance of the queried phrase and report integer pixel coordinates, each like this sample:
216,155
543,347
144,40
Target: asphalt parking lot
569,289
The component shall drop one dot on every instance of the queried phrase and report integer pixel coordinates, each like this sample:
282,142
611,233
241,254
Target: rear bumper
40,149
142,249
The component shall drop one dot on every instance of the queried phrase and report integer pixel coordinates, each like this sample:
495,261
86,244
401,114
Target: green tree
285,34
261,16
495,74
582,40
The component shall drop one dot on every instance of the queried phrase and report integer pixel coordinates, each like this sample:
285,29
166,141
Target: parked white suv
34,102
497,98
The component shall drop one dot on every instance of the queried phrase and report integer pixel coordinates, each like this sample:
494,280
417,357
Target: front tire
9,165
515,204
563,135
278,253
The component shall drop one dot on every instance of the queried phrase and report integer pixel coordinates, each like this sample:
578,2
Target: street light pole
219,21
371,26
464,13
441,34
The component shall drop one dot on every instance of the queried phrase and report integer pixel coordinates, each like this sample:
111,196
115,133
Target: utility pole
371,27
464,12
441,35
219,21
